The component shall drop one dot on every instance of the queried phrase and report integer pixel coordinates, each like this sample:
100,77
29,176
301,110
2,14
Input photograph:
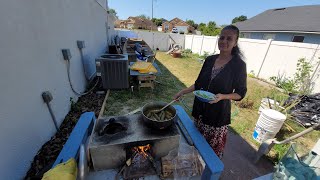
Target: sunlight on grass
186,70
171,81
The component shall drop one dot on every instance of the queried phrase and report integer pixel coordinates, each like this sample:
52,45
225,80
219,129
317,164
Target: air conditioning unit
114,70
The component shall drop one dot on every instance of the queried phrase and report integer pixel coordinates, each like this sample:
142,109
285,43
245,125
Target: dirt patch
51,149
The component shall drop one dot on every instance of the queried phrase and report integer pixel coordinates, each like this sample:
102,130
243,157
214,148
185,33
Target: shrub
301,83
186,53
252,74
205,55
284,83
303,76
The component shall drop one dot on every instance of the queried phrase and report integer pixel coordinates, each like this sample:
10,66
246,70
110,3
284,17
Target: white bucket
265,104
269,124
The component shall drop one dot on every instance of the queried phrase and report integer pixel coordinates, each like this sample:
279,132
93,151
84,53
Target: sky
222,12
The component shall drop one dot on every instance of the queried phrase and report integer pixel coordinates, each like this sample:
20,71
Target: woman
225,76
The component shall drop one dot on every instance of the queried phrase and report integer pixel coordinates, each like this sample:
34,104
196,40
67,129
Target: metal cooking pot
158,124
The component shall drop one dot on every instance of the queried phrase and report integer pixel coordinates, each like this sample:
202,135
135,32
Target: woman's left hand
218,98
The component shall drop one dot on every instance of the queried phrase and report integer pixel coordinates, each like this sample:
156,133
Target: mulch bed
48,153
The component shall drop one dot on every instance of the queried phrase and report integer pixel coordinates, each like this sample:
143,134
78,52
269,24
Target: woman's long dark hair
235,50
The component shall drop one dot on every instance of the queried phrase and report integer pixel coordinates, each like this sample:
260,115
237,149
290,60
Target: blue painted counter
83,128
214,165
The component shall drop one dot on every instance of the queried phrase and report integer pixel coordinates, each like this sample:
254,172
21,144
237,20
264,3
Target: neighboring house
136,23
119,24
293,24
177,23
167,26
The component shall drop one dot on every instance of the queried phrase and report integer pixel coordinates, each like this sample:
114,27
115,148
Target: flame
142,150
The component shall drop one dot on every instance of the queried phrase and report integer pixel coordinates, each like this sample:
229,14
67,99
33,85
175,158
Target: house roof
182,24
139,20
134,20
118,22
296,19
175,21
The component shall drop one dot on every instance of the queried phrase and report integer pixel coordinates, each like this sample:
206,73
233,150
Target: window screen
297,38
269,36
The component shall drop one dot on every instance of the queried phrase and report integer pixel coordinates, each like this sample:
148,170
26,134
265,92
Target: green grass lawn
179,73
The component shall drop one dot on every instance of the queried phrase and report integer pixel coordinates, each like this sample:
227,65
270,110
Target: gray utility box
114,70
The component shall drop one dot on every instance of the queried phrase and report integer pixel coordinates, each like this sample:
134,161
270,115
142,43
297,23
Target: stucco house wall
32,35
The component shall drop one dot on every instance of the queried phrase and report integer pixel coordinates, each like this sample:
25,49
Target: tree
209,29
192,23
201,26
143,16
216,32
212,25
157,21
112,11
239,19
195,26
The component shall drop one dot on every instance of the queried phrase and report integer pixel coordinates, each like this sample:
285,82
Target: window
297,38
279,9
166,27
245,35
269,36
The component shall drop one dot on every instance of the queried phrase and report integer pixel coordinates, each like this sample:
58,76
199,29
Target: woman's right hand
183,92
178,95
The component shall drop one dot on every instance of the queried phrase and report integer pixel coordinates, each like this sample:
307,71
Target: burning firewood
141,163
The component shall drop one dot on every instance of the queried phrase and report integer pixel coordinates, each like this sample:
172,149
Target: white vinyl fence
155,40
264,58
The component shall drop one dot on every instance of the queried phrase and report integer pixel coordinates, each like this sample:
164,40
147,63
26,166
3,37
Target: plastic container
204,96
268,125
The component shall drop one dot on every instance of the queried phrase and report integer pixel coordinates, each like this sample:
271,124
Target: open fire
140,162
142,150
